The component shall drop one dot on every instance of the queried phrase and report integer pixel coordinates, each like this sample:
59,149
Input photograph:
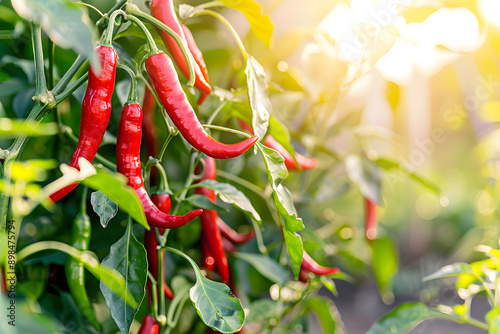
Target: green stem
229,26
90,6
216,112
149,38
40,82
134,10
163,178
160,281
119,4
187,185
50,74
107,37
70,89
132,94
66,79
154,297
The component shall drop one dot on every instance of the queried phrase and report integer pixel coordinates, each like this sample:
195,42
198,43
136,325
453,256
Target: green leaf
326,312
111,277
67,24
277,172
454,269
280,133
260,24
216,305
201,201
403,318
495,325
103,206
263,310
367,175
115,187
388,165
128,257
377,40
231,195
11,128
268,267
257,94
384,262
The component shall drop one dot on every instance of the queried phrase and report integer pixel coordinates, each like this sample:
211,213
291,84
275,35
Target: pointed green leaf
277,172
103,206
67,24
231,195
326,312
454,269
258,96
367,175
128,257
384,263
403,318
264,309
202,202
216,305
115,187
268,267
260,24
280,133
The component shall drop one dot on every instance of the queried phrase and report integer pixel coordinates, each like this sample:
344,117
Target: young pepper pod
371,219
128,145
75,271
162,73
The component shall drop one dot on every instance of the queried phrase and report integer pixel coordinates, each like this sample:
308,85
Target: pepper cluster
217,237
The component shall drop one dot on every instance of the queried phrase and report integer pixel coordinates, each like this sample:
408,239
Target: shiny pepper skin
96,111
162,73
75,271
164,11
149,325
309,265
128,145
209,230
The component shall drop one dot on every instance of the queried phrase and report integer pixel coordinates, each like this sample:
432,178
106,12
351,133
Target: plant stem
229,26
221,128
192,164
132,94
65,80
102,21
40,83
134,10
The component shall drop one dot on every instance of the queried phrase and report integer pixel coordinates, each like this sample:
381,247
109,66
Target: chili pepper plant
151,180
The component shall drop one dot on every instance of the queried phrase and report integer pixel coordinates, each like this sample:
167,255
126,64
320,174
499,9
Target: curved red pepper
164,11
128,146
231,235
303,162
149,325
148,122
371,219
198,57
166,84
209,230
96,111
309,265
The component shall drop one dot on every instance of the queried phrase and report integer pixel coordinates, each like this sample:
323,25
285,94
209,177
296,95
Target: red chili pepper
209,230
207,258
233,236
149,325
303,162
150,129
198,57
309,265
96,111
371,219
228,245
128,146
166,83
164,11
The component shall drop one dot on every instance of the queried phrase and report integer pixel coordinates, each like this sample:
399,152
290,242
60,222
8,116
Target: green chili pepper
75,271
